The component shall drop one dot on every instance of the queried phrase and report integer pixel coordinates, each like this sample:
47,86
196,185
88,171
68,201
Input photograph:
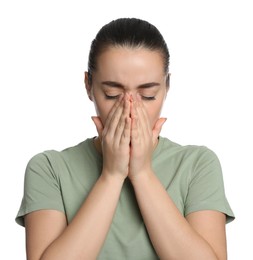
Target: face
136,71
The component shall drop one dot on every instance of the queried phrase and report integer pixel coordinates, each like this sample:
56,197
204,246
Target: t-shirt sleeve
206,188
41,188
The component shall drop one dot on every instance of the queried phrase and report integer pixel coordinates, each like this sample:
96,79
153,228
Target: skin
128,127
140,84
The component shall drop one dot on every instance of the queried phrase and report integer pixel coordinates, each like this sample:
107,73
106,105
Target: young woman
128,193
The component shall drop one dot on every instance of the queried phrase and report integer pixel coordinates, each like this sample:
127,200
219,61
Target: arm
173,236
84,236
49,237
200,236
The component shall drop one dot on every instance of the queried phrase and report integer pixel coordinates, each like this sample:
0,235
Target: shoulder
194,161
52,160
195,153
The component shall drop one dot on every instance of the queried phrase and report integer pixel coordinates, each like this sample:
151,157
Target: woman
128,193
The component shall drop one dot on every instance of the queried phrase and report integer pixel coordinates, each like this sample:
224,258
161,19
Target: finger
99,126
113,118
140,132
144,115
125,138
115,121
134,121
122,122
133,111
157,128
143,123
134,131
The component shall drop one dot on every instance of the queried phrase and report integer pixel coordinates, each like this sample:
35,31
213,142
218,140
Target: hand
143,139
115,138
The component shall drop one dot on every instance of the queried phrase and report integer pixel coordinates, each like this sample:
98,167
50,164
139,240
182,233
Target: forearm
170,233
85,235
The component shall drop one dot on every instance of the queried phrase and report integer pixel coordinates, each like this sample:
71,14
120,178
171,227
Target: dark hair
128,32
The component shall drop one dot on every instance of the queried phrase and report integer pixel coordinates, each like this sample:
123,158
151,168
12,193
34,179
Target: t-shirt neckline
155,153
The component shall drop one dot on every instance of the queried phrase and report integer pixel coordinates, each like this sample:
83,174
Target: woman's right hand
115,138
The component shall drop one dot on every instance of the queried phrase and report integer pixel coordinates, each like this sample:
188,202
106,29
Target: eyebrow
115,84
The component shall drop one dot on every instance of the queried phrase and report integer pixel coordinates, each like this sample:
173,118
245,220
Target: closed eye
148,98
111,97
117,96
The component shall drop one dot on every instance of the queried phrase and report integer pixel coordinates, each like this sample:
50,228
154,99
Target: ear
87,85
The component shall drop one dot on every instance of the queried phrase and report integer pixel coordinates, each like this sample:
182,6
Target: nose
132,96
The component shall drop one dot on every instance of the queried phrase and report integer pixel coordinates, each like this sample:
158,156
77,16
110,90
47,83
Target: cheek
153,112
103,109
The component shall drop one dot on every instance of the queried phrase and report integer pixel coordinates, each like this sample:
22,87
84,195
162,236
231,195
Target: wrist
112,177
141,177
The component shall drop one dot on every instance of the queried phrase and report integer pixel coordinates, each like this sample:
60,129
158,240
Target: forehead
119,63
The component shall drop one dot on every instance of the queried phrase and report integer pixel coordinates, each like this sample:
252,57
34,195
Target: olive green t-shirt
61,181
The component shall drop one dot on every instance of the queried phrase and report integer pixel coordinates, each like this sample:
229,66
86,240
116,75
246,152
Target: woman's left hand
143,140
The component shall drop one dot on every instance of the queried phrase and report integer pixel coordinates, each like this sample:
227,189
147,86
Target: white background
43,53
